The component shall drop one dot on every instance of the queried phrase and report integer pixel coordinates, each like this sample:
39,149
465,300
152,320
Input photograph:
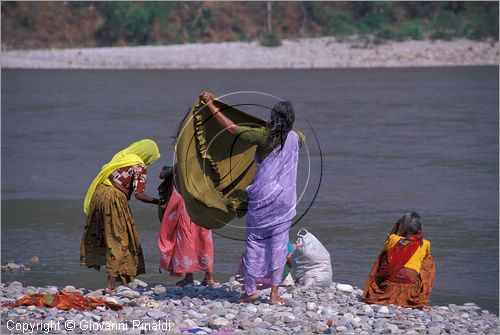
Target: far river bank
308,53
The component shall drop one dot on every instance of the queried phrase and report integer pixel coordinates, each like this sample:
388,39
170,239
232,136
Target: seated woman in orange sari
403,274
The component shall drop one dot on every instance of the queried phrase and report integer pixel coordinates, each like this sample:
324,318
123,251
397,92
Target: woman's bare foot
208,280
188,280
110,285
275,299
247,298
108,290
184,282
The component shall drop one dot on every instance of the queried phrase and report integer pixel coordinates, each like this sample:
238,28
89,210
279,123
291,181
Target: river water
381,142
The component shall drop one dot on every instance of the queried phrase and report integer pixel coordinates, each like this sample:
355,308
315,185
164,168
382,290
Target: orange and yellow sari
385,285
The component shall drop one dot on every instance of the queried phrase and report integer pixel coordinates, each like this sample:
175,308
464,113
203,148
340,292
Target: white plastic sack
312,265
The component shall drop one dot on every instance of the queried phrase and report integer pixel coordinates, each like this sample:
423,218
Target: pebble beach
308,53
213,309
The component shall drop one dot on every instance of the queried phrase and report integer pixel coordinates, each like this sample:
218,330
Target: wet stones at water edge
14,267
149,308
11,266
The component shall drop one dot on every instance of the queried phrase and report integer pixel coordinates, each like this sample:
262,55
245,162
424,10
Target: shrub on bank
270,40
410,30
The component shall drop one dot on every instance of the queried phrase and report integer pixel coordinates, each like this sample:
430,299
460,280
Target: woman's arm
225,122
146,198
289,260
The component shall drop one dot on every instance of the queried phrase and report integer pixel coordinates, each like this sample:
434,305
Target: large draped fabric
213,168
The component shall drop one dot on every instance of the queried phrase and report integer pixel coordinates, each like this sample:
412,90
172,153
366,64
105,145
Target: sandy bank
309,53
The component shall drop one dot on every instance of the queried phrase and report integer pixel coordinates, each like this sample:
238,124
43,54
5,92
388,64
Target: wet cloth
64,301
184,245
271,208
213,167
110,237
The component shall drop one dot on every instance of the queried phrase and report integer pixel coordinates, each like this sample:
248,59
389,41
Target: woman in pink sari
185,247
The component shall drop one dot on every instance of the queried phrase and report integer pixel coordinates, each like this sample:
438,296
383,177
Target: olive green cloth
213,167
258,136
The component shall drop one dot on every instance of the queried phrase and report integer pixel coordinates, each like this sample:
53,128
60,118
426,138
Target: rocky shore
324,52
198,309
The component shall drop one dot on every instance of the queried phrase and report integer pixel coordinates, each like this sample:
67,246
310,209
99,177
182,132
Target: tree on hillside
271,39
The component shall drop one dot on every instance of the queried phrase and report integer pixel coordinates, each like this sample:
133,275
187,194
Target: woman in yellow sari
109,236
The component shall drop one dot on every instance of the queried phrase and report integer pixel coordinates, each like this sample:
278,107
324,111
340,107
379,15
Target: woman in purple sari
271,196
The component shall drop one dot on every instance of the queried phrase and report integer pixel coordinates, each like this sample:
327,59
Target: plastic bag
312,264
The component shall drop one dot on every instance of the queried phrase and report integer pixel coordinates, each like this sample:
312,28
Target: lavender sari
271,208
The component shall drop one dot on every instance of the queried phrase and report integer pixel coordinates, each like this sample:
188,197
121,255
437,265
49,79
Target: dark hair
280,123
167,169
413,223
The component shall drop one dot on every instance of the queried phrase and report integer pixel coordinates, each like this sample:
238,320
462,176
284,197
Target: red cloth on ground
184,246
64,301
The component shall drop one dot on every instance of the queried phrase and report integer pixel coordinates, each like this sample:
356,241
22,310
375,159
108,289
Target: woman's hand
206,97
226,123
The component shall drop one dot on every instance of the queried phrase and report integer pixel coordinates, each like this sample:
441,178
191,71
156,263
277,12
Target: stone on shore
14,267
344,287
221,324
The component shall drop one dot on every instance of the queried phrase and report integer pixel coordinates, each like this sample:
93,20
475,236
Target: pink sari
184,246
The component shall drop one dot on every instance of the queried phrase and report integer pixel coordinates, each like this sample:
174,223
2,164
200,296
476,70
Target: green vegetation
149,22
33,24
270,40
131,21
387,20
